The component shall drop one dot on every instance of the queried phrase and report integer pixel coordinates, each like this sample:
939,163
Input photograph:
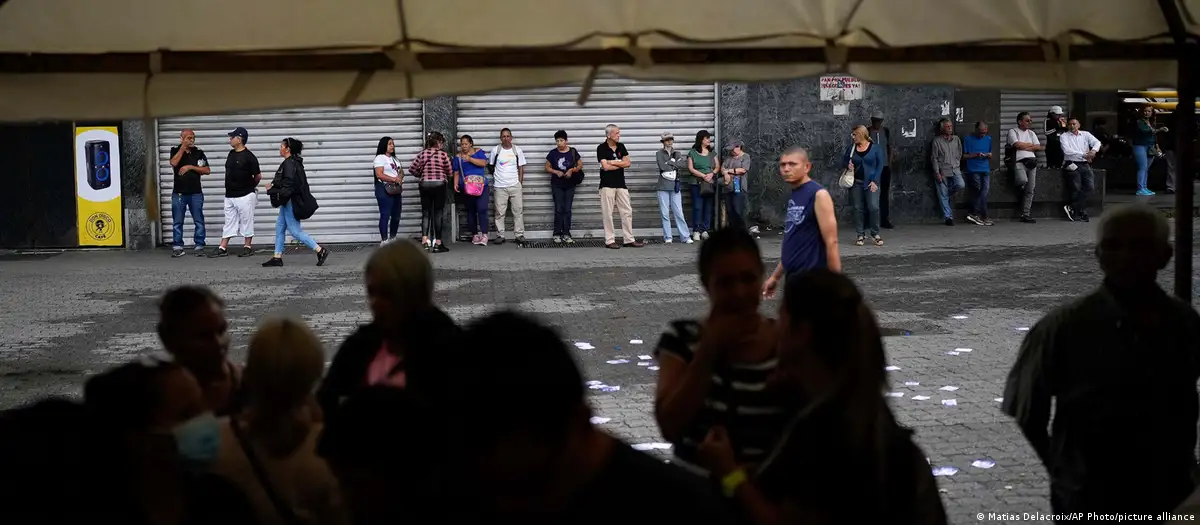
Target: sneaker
322,255
1028,220
198,250
499,239
246,251
688,240
878,240
754,230
949,222
668,240
220,252
483,239
975,219
440,248
695,236
569,240
860,240
1070,213
704,235
988,222
1083,217
1170,191
557,239
425,241
177,251
273,261
1144,193
520,239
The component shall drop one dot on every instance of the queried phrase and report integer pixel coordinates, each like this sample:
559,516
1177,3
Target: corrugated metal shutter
339,148
1037,103
643,110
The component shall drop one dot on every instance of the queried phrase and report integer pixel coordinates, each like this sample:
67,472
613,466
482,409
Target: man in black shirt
242,175
614,158
188,163
530,452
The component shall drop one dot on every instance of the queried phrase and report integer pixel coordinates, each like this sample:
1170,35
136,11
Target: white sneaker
668,241
704,236
688,240
556,239
383,243
754,230
695,236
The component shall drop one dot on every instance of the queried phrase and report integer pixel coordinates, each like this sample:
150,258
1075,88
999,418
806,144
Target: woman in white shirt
388,188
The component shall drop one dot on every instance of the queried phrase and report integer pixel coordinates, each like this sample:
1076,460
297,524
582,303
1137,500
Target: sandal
860,240
878,241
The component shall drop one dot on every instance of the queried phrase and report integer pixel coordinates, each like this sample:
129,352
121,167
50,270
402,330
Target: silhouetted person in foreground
1121,366
529,453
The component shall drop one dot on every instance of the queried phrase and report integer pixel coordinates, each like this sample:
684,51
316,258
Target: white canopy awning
103,59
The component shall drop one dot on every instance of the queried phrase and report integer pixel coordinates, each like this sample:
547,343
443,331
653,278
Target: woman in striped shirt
432,167
714,371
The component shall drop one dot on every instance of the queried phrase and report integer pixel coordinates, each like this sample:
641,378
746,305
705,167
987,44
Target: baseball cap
240,132
666,135
735,144
878,115
1057,110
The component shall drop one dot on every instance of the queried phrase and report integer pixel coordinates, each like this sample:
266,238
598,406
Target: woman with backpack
470,180
290,193
432,167
389,179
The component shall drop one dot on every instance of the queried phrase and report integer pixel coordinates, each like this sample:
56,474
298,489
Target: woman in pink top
406,326
432,167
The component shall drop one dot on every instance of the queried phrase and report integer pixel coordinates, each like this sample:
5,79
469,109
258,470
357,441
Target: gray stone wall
770,117
137,186
441,114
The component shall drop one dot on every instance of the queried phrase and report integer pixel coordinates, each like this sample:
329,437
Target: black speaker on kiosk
99,164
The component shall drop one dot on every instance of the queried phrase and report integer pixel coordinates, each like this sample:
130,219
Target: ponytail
433,138
294,146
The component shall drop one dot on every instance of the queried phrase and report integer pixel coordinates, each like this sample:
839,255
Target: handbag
846,179
284,510
393,188
472,184
577,177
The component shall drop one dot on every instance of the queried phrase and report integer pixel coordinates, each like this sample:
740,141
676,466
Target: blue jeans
564,200
981,181
735,208
389,212
193,203
949,185
702,209
671,203
1141,154
864,198
287,223
477,211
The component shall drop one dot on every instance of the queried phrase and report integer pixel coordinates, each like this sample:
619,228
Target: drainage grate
587,242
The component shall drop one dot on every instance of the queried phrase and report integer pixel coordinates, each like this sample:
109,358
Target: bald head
1133,245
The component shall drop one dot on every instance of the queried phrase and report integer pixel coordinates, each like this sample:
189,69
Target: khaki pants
620,197
503,195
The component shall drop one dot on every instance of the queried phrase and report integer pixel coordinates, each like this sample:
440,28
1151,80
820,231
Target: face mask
198,440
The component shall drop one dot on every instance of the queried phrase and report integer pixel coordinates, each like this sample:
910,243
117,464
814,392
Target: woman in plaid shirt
432,167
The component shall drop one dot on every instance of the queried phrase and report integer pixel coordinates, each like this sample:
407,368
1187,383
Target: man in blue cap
242,175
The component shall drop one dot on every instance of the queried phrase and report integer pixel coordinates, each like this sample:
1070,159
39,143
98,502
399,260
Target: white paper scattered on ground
635,341
643,363
949,388
950,402
584,346
963,350
920,398
944,471
951,353
645,357
609,388
912,383
983,463
652,446
895,394
652,368
960,317
600,420
892,368
999,400
1023,329
617,361
1009,487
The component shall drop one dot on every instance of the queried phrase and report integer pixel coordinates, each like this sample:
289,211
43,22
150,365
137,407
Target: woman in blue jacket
867,161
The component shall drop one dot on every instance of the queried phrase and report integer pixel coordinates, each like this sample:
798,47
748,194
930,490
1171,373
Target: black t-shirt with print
561,161
188,183
240,170
612,178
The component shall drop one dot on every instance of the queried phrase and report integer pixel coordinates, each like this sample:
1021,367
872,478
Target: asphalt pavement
964,295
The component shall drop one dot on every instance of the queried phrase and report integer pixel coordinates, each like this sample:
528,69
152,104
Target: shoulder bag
260,474
304,205
846,179
473,184
393,188
670,175
577,177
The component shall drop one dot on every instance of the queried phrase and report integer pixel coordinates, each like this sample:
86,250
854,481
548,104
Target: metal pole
1185,153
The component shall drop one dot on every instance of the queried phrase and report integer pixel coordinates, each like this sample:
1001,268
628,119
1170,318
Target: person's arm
417,166
578,167
681,389
604,163
255,169
1093,143
1027,392
445,164
827,221
933,159
285,187
482,163
664,162
520,164
874,175
1064,142
692,168
201,166
177,155
550,169
1036,145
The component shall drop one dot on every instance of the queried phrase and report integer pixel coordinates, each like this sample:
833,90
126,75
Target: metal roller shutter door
1037,103
643,110
339,148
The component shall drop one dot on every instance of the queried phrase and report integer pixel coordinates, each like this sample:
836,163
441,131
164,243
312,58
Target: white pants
239,216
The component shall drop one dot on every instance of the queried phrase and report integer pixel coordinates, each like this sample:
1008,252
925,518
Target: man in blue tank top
810,230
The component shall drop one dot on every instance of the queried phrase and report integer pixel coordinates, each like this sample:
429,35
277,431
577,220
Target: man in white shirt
508,174
1079,148
1021,154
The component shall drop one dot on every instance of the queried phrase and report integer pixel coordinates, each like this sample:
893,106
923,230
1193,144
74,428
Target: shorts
239,216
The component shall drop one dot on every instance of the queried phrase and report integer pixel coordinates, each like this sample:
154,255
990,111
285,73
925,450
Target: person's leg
737,210
426,215
295,228
625,208
481,209
872,202
502,196
1087,185
470,205
858,204
943,195
974,181
556,195
697,207
518,208
195,204
177,209
385,210
1170,156
985,187
394,224
885,197
229,230
1071,178
1142,157
438,201
281,229
607,196
245,209
706,213
664,212
568,207
1030,187
680,221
